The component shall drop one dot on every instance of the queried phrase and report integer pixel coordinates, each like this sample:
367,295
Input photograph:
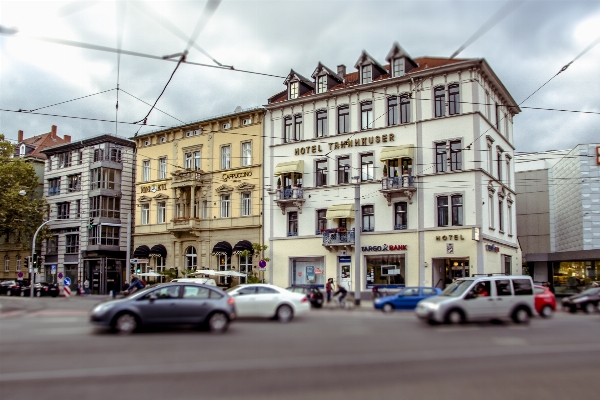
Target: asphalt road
48,350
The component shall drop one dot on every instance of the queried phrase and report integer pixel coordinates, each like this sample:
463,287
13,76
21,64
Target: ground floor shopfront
214,250
391,260
568,272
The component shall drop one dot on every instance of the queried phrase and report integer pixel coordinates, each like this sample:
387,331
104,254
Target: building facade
429,143
199,194
558,216
89,189
13,252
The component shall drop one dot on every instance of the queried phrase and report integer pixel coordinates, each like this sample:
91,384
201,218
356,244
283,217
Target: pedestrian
86,287
79,288
375,292
341,290
328,288
125,286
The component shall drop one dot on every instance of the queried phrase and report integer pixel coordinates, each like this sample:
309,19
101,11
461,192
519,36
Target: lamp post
32,283
357,230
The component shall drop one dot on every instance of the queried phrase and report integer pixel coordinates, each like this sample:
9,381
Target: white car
204,281
263,300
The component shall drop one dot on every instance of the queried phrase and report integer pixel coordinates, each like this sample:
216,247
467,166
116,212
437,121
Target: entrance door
344,276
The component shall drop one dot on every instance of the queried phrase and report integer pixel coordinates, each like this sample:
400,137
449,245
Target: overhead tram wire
68,101
156,108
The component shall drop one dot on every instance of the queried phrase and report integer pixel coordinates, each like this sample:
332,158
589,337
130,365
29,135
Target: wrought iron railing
398,182
290,194
400,227
338,237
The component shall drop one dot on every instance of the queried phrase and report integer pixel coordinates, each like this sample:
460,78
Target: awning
340,211
221,249
241,246
141,252
290,166
158,250
390,153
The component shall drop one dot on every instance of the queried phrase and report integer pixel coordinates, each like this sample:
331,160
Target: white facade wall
474,181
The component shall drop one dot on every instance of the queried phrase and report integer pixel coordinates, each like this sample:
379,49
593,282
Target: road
48,350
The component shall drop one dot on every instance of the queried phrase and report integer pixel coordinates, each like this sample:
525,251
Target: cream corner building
430,141
199,193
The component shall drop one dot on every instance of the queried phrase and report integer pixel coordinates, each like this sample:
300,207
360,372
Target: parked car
587,301
264,300
14,288
545,302
204,281
481,298
168,304
312,292
406,299
41,289
5,285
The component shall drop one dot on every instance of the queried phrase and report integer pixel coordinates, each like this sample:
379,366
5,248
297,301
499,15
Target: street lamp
32,283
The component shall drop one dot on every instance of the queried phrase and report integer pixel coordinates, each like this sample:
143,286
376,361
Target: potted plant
384,170
279,183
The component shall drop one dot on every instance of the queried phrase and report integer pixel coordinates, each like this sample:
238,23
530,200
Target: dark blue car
406,299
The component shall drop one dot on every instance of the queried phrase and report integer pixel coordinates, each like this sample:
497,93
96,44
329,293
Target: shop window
386,270
368,218
292,223
400,216
308,271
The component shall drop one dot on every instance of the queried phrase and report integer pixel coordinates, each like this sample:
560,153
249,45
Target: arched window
191,258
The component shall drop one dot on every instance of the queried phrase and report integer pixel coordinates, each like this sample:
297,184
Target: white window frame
294,90
145,170
366,117
18,263
226,125
145,219
491,212
322,84
246,204
162,168
366,74
398,67
6,263
188,160
225,206
161,212
204,209
246,153
226,157
509,217
197,155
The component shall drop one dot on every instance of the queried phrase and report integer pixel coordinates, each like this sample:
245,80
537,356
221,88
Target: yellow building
199,194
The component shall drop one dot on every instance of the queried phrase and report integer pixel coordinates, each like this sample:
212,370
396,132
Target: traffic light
132,270
40,261
34,261
27,263
91,223
138,270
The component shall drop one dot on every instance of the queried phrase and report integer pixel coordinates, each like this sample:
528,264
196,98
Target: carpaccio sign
385,247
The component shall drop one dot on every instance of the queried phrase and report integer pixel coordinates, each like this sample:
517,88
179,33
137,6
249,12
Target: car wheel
9,293
520,316
546,311
387,308
590,308
218,323
126,323
38,294
284,313
455,317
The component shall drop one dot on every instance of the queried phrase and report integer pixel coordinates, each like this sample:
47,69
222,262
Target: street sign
67,281
262,264
139,261
20,275
60,275
53,269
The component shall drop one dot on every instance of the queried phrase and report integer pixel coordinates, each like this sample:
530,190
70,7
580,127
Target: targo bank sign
385,247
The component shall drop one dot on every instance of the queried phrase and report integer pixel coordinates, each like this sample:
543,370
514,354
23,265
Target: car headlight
101,308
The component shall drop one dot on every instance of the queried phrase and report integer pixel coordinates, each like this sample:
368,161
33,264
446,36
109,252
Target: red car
545,302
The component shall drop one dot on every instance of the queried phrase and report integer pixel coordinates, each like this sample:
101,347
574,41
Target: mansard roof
329,72
366,59
293,75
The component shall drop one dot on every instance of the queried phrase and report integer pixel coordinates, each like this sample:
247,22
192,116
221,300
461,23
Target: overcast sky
525,49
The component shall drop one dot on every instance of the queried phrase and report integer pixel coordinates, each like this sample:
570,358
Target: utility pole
357,230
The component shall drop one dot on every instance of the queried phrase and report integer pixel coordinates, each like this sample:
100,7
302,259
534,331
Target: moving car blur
312,292
406,299
587,301
264,300
41,289
545,301
13,288
168,304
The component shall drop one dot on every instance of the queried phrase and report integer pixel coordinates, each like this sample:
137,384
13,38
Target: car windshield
590,291
233,288
456,289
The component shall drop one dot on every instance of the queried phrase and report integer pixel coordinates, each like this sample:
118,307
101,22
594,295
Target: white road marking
509,341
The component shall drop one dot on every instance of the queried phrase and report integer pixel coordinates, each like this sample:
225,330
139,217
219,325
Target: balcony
403,186
184,225
332,238
290,197
186,178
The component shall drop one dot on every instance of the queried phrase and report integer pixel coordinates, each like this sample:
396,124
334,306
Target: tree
21,207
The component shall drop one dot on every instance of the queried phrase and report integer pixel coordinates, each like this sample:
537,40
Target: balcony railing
398,182
333,238
290,194
400,227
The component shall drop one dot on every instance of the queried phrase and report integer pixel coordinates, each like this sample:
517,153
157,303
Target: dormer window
367,74
322,84
23,150
398,67
294,90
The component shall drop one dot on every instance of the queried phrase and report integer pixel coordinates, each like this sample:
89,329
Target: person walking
329,288
86,287
79,288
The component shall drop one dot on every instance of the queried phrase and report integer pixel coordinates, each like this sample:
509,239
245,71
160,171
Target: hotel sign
449,237
344,144
385,247
237,174
153,188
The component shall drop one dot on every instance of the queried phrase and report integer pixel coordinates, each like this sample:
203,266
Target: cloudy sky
527,47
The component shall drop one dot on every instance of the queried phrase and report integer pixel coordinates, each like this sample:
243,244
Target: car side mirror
152,298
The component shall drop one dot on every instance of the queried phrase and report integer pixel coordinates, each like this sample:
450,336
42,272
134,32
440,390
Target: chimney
20,137
68,138
341,70
53,131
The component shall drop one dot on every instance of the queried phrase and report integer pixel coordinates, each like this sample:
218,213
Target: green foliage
278,181
253,278
384,169
20,215
170,274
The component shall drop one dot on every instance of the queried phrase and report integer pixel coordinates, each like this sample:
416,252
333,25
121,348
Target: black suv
312,292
